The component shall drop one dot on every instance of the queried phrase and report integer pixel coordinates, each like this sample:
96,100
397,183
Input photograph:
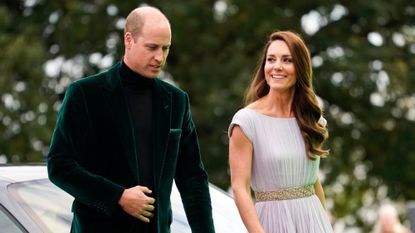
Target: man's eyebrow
158,45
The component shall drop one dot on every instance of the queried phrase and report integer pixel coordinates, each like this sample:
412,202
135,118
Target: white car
29,202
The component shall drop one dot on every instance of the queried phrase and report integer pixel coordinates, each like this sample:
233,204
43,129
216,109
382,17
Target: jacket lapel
117,106
162,107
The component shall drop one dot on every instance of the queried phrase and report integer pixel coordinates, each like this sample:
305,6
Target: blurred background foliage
362,53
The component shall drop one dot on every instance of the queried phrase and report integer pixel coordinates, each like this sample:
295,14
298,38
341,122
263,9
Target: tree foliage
363,58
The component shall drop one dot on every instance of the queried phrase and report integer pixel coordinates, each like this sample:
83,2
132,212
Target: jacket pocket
174,141
172,152
175,131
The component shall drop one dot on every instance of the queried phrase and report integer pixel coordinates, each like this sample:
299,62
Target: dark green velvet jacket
93,156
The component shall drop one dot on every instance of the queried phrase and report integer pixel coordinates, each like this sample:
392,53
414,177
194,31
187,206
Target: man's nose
159,56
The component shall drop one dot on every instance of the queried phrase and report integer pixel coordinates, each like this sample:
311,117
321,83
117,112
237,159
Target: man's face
147,54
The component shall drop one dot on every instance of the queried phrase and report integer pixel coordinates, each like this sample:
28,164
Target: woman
276,144
388,221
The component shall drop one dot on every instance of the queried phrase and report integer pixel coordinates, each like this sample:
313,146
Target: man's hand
135,202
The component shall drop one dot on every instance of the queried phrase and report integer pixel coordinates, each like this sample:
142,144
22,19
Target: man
123,135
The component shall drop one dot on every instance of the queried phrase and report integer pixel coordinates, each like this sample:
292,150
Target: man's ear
128,40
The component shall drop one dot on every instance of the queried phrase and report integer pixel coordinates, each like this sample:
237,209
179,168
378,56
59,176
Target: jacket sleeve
67,152
191,178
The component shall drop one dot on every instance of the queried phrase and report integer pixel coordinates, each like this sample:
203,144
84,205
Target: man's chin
152,75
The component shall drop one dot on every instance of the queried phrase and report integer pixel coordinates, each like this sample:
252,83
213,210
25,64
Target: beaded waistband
285,194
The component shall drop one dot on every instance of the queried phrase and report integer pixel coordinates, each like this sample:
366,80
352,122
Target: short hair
136,19
134,23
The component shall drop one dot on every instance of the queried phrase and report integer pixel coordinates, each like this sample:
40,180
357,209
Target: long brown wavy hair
305,104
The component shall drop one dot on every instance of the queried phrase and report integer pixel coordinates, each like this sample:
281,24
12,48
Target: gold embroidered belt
285,194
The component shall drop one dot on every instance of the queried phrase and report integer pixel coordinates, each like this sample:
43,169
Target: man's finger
149,207
142,218
145,190
146,213
151,200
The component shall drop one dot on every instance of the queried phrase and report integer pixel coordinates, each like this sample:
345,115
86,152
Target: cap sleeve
244,121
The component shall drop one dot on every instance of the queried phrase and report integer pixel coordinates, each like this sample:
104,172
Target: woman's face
279,68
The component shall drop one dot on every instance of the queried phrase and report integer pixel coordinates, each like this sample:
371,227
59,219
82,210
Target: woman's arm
240,160
320,193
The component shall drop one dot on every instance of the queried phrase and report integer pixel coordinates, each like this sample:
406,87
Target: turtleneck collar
133,80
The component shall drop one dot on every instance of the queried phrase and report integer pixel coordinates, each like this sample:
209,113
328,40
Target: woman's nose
278,65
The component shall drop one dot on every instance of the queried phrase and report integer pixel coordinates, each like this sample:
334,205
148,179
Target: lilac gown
279,161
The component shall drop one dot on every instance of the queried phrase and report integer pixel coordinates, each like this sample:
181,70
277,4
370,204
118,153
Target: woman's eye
287,60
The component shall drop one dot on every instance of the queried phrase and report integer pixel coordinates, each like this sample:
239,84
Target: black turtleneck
138,91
